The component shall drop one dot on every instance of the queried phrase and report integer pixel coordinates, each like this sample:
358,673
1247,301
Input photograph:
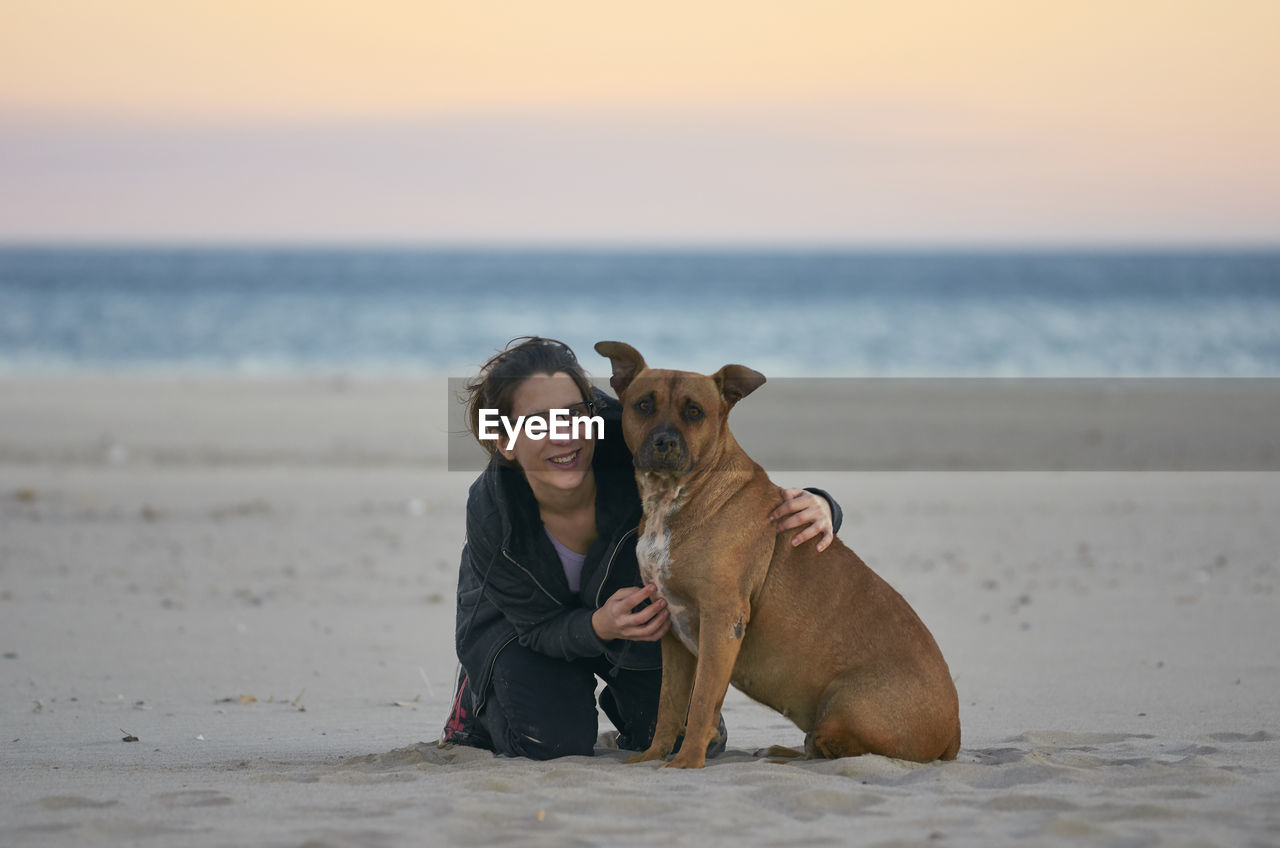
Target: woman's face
561,464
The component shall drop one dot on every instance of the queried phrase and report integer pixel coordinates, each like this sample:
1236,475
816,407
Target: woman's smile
566,461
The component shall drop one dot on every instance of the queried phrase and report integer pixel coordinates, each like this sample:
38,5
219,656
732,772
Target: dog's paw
647,756
686,761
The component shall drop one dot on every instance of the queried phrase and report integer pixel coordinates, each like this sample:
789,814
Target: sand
254,579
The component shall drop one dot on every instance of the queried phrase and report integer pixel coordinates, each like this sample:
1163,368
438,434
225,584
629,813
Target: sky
863,122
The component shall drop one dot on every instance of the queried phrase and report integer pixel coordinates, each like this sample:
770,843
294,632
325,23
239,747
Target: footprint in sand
73,802
193,798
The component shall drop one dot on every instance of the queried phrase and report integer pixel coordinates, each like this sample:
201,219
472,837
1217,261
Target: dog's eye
644,406
693,412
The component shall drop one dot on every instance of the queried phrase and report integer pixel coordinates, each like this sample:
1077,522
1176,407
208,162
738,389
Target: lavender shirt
571,560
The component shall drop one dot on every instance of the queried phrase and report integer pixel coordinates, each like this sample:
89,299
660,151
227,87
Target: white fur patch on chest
653,551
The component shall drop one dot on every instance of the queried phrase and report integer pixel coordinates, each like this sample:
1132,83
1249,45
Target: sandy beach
253,580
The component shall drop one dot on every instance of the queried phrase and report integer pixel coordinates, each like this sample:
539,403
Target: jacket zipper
531,577
609,565
607,568
477,698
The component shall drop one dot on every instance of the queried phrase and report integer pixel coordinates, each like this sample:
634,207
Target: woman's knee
548,743
541,708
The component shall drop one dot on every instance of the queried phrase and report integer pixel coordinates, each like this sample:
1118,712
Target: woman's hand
615,619
799,508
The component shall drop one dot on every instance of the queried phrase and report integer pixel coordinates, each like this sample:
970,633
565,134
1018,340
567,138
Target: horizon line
587,245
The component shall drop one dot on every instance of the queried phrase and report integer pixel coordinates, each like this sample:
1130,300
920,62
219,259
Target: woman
548,594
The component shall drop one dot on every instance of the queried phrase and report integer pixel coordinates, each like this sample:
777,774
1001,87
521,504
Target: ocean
388,311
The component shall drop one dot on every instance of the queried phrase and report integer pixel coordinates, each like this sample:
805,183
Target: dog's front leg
720,634
673,699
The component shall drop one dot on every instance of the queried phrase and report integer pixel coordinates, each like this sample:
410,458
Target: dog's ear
737,381
627,363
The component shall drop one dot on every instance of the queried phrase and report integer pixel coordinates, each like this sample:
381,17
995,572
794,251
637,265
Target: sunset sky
558,121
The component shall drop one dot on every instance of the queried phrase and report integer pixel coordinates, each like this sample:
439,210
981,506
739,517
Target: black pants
542,708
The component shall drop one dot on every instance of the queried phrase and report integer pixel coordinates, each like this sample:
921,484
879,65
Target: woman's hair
499,378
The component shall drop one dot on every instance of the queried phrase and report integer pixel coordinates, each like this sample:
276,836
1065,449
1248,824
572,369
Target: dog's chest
653,551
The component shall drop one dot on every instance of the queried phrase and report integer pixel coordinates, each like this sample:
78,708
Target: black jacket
511,583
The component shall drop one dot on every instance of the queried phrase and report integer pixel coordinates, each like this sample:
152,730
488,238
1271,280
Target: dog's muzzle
664,451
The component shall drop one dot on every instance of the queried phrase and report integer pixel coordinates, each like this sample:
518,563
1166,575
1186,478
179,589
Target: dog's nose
664,450
664,441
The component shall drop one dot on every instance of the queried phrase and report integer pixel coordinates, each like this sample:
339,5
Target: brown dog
816,636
